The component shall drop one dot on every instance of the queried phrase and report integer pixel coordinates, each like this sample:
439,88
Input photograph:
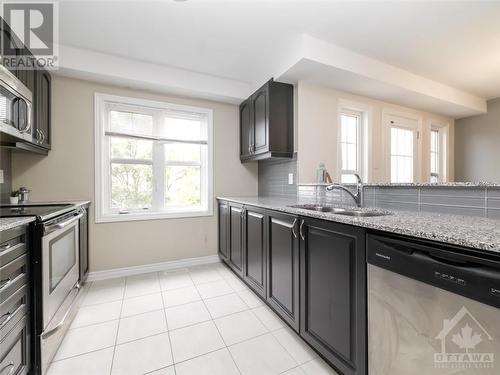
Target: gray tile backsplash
273,178
468,201
480,201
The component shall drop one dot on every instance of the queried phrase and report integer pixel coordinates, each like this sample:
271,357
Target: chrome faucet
358,197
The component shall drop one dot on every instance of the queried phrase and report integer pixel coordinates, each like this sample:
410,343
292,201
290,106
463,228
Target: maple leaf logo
466,339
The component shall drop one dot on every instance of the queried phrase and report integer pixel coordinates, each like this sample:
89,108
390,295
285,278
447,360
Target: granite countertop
12,222
473,232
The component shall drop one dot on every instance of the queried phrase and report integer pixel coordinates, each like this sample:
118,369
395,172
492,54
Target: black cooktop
42,212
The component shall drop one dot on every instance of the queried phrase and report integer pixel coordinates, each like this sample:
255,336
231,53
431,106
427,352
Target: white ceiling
454,43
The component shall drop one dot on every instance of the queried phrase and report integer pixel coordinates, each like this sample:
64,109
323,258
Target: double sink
341,211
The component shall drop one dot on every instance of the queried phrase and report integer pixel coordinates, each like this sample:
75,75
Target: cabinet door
42,100
223,227
245,131
333,293
260,123
283,266
255,249
236,238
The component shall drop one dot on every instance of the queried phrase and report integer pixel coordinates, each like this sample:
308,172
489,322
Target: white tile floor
196,321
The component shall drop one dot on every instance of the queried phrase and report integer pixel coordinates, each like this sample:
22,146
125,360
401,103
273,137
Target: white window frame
363,111
390,115
444,151
102,163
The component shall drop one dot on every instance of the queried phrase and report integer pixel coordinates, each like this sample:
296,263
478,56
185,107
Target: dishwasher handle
469,276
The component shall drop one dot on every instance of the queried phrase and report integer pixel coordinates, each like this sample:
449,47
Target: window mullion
158,167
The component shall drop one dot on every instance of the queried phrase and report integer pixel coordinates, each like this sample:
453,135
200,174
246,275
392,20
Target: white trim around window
158,209
363,112
407,121
443,148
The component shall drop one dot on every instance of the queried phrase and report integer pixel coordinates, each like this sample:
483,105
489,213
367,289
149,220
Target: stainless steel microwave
16,104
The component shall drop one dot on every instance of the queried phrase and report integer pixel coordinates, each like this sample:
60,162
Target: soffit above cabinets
210,51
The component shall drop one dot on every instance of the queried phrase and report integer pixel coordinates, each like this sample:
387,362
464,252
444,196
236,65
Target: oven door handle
61,324
64,224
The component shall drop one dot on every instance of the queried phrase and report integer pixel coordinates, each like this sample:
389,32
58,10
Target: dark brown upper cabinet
42,109
266,123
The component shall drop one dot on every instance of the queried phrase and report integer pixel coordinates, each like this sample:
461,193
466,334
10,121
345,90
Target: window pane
128,148
402,143
131,186
352,157
349,129
183,128
348,179
184,152
182,186
435,156
130,123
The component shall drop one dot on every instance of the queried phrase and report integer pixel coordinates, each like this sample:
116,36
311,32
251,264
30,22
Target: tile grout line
168,330
118,328
213,321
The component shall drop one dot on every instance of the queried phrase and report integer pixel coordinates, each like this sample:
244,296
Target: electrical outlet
290,178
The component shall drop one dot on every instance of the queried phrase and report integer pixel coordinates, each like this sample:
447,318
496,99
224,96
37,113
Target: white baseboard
154,267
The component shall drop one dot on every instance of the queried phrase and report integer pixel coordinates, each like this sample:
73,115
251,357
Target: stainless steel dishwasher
432,309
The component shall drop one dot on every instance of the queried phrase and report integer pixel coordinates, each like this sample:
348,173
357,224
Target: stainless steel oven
59,268
15,106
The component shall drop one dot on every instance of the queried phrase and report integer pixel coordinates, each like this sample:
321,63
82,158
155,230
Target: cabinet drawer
14,350
14,305
13,276
11,249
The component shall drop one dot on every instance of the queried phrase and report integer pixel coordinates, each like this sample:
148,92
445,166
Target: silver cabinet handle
5,282
293,228
5,247
8,316
301,232
43,136
61,323
11,364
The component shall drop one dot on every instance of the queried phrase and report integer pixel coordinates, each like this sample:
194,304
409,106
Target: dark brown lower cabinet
254,250
235,238
283,266
333,293
223,229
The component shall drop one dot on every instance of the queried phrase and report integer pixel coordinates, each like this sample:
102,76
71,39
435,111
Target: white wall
478,139
317,133
67,173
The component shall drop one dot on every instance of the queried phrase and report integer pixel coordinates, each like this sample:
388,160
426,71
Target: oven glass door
60,268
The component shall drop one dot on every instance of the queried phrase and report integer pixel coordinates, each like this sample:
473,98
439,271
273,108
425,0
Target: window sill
115,218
